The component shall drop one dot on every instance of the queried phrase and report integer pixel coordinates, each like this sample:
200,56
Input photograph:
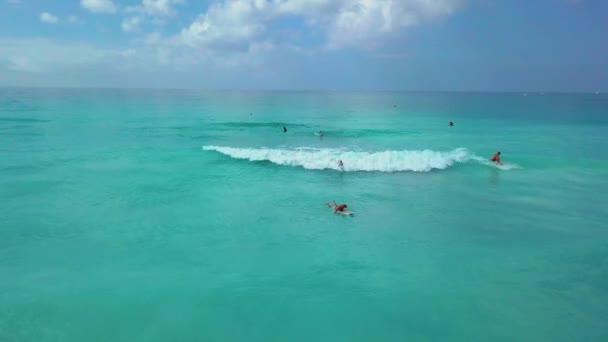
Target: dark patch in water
14,127
22,134
236,125
22,120
21,168
357,133
199,137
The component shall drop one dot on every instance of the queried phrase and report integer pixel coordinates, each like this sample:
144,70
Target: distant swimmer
321,134
451,124
284,129
340,164
496,158
338,208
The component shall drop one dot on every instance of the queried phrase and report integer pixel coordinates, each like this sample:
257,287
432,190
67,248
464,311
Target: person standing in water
284,129
340,164
496,158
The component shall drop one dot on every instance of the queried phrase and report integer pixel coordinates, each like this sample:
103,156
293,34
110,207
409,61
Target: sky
420,45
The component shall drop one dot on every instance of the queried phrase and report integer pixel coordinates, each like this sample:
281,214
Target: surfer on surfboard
338,208
496,158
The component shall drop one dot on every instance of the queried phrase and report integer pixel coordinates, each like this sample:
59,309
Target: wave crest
322,159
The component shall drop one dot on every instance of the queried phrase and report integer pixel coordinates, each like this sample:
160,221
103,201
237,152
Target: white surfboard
503,166
345,212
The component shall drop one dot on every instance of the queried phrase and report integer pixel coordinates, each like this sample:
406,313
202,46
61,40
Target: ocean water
176,215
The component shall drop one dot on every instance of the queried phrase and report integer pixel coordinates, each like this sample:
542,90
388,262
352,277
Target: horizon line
310,90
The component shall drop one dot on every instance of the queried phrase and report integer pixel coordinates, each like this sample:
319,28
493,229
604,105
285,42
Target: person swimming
337,207
451,124
284,129
340,164
496,158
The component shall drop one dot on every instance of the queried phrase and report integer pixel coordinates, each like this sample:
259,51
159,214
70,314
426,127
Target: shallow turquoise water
117,225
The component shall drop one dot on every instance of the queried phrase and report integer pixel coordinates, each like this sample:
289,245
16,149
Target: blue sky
461,45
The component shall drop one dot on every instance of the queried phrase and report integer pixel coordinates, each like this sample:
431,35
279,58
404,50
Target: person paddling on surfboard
337,207
496,158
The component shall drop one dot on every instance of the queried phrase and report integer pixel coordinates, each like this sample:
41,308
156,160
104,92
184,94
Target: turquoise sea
183,215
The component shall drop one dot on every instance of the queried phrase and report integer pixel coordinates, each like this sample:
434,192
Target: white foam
321,159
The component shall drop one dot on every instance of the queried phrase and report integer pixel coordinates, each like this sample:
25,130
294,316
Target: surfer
321,134
496,158
284,129
340,164
337,207
451,124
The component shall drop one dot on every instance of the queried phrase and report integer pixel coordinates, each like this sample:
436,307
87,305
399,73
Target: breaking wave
322,159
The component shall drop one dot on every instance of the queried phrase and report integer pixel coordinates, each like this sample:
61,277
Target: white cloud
98,6
151,11
128,52
48,18
139,64
152,39
362,22
156,8
131,24
72,19
229,35
228,24
24,55
313,10
160,7
346,23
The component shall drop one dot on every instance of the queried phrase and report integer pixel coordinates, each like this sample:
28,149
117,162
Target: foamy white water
322,159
